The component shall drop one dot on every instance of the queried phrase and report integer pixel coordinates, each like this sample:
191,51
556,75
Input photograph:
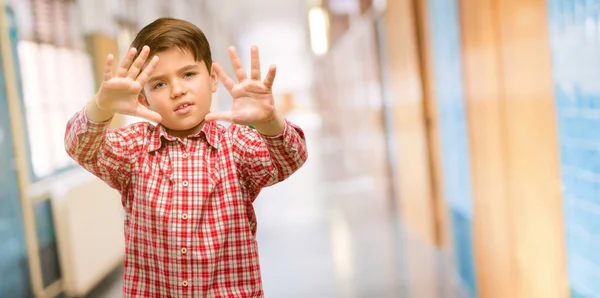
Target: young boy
187,183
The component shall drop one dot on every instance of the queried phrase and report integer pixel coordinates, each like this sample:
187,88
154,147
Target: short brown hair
167,33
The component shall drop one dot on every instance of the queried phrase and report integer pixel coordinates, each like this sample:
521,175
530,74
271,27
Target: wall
413,134
498,140
14,267
445,48
413,197
88,218
517,203
349,97
576,71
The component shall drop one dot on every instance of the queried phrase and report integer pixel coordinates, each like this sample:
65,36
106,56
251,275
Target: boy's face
180,90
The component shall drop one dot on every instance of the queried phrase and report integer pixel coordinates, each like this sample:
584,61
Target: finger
108,67
145,75
139,62
219,116
223,77
125,63
236,62
145,113
270,78
255,87
254,64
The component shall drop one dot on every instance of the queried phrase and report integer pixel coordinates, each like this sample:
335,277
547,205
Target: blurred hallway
453,145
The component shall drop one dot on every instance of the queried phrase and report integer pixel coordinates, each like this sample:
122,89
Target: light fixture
318,22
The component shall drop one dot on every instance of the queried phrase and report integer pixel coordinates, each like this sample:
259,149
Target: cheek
202,86
157,101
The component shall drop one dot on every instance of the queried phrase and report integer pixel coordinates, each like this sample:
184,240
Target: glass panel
576,70
14,265
445,35
48,249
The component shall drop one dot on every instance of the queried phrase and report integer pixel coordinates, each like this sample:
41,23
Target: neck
185,133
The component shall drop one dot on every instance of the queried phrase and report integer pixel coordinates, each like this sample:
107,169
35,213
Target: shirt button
184,183
185,155
184,250
184,216
184,283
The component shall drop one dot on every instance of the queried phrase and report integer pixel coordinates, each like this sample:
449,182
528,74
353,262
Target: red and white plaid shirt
190,225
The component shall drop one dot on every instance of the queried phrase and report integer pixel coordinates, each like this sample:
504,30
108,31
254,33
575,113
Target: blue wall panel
575,46
445,33
14,268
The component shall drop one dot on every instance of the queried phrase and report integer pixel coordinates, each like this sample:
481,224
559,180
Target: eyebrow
183,69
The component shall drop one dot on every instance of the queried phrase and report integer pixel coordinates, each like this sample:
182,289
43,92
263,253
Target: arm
104,153
277,148
265,159
101,152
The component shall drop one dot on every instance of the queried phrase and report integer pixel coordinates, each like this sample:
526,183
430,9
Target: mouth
182,106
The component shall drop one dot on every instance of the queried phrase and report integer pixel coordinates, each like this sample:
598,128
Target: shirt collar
209,132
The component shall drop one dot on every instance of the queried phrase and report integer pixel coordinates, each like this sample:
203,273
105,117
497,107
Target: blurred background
454,148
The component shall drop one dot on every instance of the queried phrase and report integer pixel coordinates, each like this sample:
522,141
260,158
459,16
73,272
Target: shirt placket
182,164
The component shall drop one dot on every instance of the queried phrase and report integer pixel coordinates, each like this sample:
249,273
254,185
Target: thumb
219,116
145,113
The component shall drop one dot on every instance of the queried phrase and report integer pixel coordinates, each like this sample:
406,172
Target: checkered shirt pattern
190,225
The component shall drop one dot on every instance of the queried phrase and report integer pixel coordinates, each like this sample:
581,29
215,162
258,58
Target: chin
186,124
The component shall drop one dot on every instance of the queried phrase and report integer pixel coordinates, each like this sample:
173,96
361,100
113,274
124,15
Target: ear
214,79
143,101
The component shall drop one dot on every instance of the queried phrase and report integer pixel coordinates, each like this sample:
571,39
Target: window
57,80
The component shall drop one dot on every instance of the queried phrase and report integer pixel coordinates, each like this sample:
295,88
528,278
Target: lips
182,105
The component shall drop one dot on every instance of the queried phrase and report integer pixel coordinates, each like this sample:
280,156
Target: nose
178,89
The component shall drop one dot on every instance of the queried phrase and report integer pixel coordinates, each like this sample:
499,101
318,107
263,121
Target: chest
182,186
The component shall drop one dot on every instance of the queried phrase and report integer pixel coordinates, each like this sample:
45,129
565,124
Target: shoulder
234,137
136,129
241,134
137,135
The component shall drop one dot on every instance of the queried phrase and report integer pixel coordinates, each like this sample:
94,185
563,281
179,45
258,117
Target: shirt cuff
282,139
91,126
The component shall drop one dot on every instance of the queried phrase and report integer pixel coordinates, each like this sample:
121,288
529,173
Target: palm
119,93
252,98
124,93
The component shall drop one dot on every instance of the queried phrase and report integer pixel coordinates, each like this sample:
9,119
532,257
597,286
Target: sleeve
104,153
267,160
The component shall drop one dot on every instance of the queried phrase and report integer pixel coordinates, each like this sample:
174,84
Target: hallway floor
322,237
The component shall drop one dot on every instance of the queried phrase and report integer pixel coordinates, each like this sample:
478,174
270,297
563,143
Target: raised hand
119,92
252,98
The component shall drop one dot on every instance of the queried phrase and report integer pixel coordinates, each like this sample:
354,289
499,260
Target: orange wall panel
518,224
491,233
414,184
441,213
532,149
